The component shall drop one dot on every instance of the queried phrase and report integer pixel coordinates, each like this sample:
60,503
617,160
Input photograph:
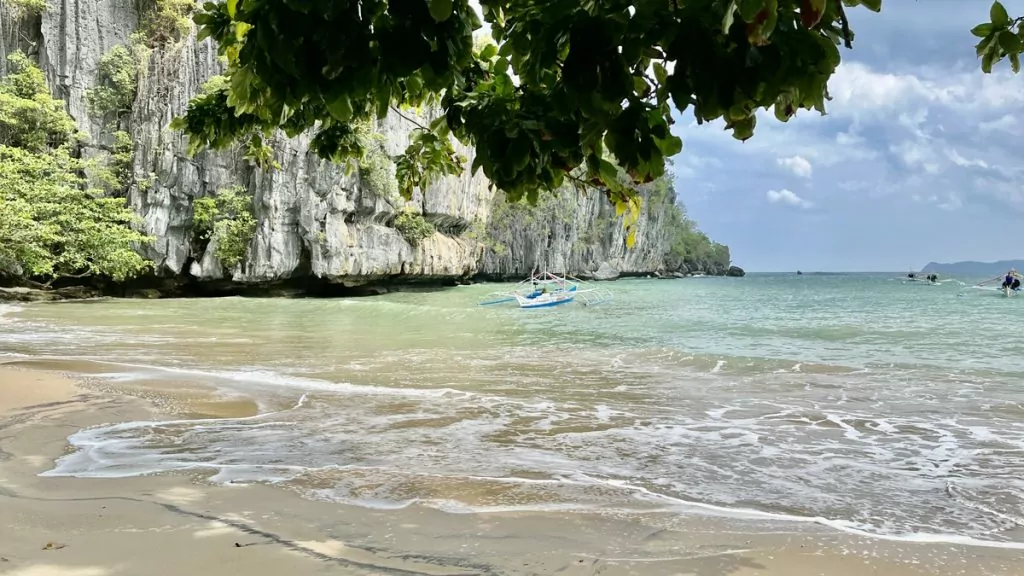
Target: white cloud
857,88
849,139
914,120
689,165
917,155
796,164
961,161
786,196
952,203
1005,123
853,185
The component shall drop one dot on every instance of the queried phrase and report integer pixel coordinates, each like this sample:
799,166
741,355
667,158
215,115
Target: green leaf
414,84
340,108
671,146
982,30
519,152
1015,62
489,52
383,97
873,5
1009,42
730,15
660,74
998,15
440,10
640,86
749,9
988,58
982,46
608,172
231,6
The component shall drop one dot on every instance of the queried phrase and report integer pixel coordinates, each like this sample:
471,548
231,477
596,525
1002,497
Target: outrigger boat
929,279
1008,291
546,290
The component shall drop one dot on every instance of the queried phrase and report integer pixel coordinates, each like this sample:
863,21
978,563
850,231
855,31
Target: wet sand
178,525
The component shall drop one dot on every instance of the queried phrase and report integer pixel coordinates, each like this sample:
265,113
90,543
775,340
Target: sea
859,402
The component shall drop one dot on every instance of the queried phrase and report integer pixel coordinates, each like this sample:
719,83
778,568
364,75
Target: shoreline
65,526
304,288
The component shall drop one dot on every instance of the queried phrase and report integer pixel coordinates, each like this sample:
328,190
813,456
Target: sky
918,159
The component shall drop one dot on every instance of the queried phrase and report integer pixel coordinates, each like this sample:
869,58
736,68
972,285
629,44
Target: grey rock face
606,272
575,234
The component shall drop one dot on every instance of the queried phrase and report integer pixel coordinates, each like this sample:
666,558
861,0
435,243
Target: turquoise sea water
856,401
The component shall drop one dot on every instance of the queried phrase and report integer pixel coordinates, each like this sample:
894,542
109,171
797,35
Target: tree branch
846,25
71,276
406,118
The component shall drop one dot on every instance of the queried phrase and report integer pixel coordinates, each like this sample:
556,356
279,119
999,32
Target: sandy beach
178,525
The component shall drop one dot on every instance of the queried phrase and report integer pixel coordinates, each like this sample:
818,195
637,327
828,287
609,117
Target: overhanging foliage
567,86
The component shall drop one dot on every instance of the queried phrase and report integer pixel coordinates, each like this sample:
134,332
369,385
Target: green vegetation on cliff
23,8
228,218
376,170
164,22
117,81
413,227
52,224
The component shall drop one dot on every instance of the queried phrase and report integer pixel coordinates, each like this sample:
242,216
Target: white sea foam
8,309
249,379
127,449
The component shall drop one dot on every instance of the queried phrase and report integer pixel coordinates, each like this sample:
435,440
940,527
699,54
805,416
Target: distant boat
799,273
930,279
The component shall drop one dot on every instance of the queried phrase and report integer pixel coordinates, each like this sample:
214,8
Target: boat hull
547,301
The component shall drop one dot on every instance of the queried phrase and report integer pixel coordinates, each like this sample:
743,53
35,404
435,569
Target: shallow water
858,402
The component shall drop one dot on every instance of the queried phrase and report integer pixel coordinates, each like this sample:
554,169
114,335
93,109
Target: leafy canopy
51,223
568,89
29,117
1002,37
52,226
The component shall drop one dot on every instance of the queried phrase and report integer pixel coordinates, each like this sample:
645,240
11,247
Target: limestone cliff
312,219
572,232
